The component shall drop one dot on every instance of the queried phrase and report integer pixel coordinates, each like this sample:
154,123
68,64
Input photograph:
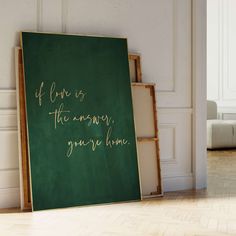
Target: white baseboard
177,183
9,197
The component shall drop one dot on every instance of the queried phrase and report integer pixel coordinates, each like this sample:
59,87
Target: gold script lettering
59,115
82,143
94,119
61,94
114,142
39,94
80,94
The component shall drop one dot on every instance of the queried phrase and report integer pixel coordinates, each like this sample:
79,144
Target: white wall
160,30
221,56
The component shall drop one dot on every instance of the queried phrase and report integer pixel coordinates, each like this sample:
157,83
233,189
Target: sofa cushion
221,134
211,110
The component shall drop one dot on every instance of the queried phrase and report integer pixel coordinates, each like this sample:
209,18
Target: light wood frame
24,162
137,64
151,87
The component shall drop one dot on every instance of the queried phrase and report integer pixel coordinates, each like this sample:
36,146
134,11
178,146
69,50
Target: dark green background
99,66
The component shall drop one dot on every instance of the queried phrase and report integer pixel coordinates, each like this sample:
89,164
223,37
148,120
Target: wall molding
180,92
170,160
8,120
39,15
175,110
226,109
220,30
225,24
225,93
179,160
174,31
7,99
177,183
173,91
64,14
40,11
228,116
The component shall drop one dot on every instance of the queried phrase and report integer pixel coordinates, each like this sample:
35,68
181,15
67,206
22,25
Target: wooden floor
210,212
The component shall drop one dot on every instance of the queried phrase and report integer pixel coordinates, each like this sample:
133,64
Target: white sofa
220,133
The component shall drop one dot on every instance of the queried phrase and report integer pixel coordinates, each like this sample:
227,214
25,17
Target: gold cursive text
93,143
39,94
59,115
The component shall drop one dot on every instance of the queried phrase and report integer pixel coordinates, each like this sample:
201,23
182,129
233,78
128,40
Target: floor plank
210,212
